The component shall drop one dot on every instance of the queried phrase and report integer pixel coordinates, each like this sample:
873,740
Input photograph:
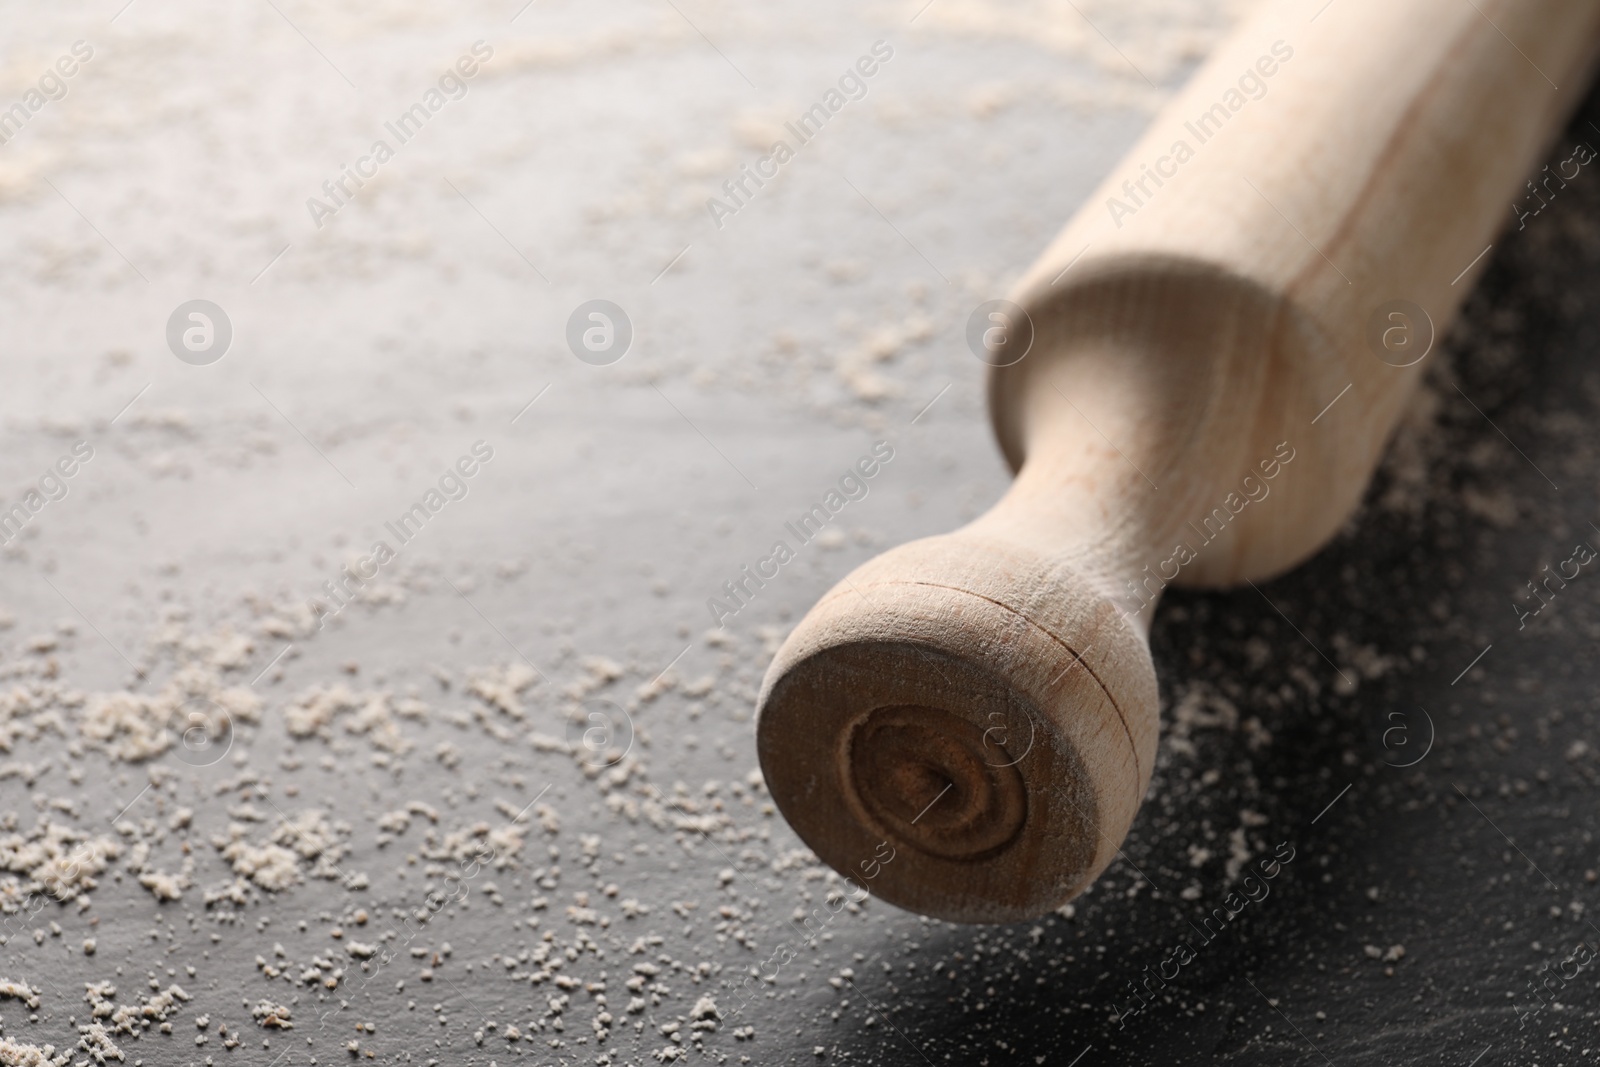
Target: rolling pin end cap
949,754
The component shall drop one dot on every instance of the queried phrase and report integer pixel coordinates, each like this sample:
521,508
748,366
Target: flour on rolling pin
983,703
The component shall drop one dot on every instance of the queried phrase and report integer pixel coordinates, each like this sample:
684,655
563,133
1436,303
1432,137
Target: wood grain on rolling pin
984,700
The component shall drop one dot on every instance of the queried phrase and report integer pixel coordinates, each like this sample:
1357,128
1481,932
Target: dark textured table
508,786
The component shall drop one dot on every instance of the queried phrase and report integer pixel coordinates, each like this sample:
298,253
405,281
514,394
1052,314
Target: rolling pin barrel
1218,346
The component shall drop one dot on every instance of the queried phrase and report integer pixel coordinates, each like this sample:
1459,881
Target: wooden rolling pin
1217,348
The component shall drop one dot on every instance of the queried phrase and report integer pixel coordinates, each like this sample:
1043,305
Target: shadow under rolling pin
984,701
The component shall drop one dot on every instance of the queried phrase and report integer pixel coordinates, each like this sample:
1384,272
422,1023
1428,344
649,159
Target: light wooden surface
984,701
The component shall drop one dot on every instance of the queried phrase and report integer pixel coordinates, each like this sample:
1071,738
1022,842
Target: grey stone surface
426,315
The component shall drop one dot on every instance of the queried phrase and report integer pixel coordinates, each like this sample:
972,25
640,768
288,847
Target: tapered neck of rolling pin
1083,500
